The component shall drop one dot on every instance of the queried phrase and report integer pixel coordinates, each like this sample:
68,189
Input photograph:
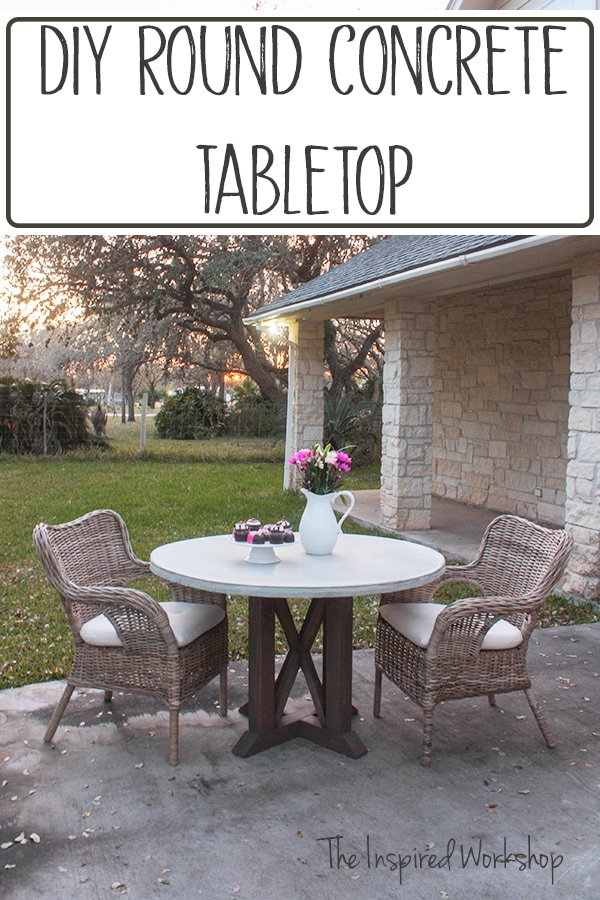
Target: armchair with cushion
475,646
124,639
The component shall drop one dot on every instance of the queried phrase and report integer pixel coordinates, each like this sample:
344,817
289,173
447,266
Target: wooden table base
328,721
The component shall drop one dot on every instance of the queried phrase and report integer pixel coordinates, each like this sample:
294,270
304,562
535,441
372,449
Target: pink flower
343,461
301,458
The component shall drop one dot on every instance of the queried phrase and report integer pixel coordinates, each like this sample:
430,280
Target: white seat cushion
416,620
188,621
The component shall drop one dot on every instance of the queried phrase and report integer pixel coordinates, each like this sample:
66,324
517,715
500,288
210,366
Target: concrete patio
456,528
101,813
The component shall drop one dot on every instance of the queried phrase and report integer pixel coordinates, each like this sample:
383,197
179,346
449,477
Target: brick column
406,464
306,410
582,510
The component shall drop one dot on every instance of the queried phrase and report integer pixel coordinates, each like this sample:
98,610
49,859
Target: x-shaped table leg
298,657
329,723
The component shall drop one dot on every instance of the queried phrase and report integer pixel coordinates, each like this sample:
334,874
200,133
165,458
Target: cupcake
288,534
257,537
241,531
253,524
277,534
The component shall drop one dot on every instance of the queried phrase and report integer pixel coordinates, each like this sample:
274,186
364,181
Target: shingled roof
391,256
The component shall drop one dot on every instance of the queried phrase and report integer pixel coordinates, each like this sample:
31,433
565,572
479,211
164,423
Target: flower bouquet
321,468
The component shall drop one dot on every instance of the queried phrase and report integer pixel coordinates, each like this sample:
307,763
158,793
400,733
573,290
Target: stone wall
583,471
501,400
407,427
308,384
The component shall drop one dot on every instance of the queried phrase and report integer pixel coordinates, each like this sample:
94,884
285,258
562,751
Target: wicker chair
124,639
478,645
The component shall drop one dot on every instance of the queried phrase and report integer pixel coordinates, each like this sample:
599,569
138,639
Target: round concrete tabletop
359,565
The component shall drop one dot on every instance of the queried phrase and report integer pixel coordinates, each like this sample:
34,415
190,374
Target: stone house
491,376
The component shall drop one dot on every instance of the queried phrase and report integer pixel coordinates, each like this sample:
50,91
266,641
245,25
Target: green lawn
177,490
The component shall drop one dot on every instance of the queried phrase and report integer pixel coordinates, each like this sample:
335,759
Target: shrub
41,418
251,414
191,415
355,423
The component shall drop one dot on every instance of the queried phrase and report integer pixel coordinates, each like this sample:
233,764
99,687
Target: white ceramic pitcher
319,527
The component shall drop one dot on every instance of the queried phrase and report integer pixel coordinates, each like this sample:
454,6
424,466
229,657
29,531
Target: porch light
274,328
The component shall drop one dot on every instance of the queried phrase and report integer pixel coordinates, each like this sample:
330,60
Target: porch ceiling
506,263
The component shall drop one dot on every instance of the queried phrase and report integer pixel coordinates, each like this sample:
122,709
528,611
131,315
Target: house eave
508,262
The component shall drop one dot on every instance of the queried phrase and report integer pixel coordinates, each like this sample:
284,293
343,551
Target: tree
351,353
200,287
9,336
